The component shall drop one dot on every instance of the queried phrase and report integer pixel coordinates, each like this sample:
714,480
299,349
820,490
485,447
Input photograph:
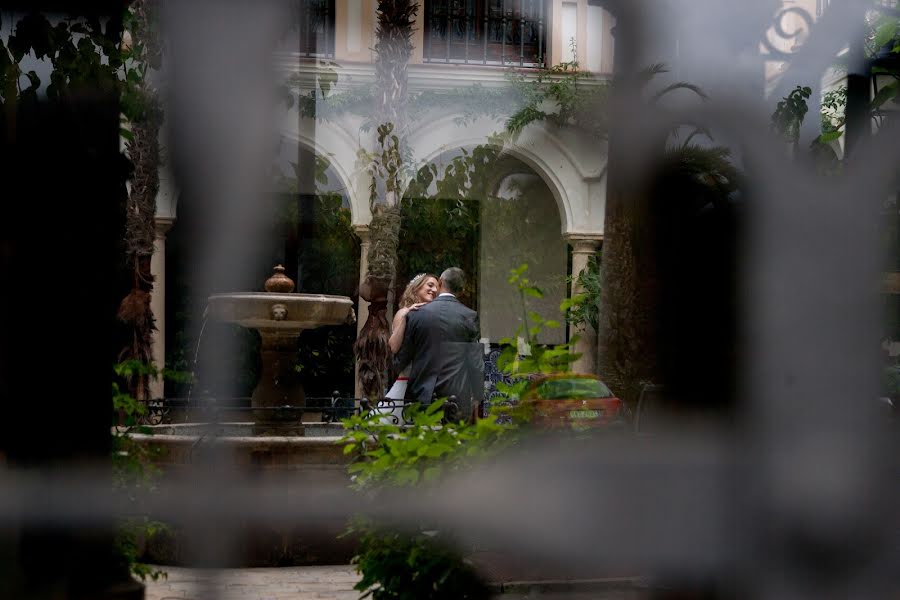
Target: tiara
417,278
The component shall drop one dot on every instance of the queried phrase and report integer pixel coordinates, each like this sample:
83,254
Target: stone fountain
276,443
280,316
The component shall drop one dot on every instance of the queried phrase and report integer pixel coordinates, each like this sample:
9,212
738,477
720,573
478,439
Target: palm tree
628,327
645,251
642,215
393,48
143,112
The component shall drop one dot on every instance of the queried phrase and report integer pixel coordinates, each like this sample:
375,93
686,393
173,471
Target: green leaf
886,93
885,33
830,136
436,450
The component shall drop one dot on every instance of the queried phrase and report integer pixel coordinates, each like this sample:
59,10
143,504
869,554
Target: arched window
486,32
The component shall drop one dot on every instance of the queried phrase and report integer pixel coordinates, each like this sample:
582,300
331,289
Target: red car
573,401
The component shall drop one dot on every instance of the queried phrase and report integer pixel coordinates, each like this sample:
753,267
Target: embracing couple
435,341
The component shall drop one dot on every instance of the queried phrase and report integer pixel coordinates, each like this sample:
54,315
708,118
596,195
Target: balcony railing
486,32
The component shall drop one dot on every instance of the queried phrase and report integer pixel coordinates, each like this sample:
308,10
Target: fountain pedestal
279,385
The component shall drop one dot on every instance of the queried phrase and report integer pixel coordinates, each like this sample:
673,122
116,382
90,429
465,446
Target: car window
562,389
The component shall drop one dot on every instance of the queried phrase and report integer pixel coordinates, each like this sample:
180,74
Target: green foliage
74,46
133,466
466,175
386,166
413,567
523,356
788,117
583,308
563,95
126,544
329,265
419,452
883,33
424,565
789,114
85,52
138,99
834,106
709,169
403,565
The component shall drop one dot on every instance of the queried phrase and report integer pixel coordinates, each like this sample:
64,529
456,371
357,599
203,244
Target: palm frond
710,168
646,75
681,85
698,130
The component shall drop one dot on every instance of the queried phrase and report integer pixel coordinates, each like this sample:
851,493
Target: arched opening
310,233
492,218
520,225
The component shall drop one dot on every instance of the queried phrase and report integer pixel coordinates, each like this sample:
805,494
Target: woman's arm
398,330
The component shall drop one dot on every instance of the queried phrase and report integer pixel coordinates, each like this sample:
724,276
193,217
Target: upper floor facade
463,33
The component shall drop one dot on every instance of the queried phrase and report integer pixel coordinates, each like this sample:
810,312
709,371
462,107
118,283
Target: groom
442,346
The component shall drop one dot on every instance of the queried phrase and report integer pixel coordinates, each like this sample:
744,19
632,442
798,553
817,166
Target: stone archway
331,141
573,173
513,218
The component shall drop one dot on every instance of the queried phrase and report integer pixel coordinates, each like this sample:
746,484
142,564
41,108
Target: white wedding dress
391,408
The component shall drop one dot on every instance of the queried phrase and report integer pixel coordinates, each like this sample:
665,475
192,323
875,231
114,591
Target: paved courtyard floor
334,583
285,583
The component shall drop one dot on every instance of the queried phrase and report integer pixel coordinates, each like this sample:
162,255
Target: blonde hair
415,284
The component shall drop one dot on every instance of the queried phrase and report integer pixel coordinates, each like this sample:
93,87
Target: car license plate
584,414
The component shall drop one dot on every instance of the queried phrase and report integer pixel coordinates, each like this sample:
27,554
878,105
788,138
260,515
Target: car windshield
578,388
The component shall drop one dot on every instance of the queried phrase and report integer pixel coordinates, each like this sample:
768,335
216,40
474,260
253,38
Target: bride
422,289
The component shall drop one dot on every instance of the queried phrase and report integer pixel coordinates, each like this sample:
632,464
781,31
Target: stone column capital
584,243
163,225
362,232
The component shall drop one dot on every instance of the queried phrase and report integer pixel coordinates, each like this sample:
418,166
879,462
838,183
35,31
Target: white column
362,311
583,247
158,302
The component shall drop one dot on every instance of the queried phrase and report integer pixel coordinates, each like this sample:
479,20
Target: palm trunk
140,224
140,231
393,49
626,315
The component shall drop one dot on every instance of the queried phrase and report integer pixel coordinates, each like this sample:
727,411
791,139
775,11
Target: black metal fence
316,25
326,409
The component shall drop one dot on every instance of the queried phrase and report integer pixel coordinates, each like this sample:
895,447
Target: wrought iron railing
486,32
316,28
331,408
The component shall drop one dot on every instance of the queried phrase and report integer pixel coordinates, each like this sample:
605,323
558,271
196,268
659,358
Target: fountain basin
260,310
315,461
178,445
280,318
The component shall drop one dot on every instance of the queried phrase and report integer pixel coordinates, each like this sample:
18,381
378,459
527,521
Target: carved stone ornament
279,312
279,282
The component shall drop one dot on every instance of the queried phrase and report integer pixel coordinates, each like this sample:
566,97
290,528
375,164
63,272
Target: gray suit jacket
441,346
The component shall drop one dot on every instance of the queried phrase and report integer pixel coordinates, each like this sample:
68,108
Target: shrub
425,564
